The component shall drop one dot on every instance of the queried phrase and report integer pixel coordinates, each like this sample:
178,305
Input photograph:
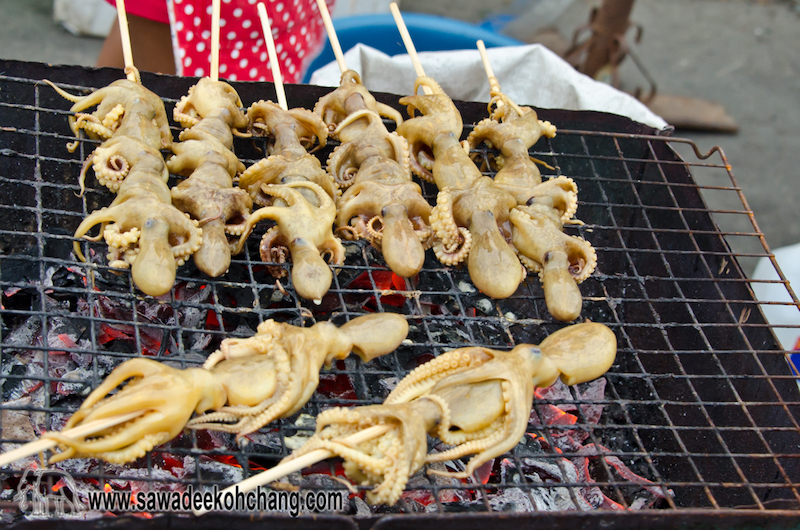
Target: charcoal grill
701,401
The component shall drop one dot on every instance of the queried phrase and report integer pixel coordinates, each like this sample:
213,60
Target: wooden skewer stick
277,78
301,462
412,51
214,71
43,444
337,49
494,84
127,52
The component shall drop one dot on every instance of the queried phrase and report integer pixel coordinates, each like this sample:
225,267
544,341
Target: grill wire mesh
701,400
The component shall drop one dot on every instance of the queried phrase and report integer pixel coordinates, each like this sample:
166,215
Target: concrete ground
740,53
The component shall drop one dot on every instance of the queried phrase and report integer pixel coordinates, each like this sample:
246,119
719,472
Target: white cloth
529,75
788,259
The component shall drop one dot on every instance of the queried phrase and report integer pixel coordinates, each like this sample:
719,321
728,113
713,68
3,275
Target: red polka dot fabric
150,9
297,29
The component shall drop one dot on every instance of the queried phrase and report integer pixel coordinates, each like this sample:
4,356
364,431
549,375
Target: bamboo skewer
214,70
494,84
301,462
43,444
311,458
125,36
334,40
277,78
409,44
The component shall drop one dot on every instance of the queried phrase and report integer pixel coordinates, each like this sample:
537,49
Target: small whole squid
245,385
380,202
205,154
297,194
141,227
560,260
475,399
471,218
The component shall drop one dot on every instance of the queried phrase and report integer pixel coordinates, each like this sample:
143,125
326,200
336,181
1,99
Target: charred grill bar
701,401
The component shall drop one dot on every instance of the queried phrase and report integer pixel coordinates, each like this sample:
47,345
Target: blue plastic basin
429,33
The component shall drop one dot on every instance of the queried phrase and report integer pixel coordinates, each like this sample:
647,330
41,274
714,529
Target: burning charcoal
388,384
511,500
652,493
265,442
163,480
466,287
305,429
64,278
25,334
592,392
563,470
449,488
187,469
556,498
337,386
362,509
544,471
213,471
491,332
58,420
199,341
448,332
325,482
485,306
75,467
20,385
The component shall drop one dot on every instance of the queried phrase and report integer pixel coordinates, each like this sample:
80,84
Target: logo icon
48,491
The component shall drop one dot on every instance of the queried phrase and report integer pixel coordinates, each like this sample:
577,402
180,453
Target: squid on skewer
297,194
212,112
141,227
380,202
143,230
243,386
562,261
471,218
475,399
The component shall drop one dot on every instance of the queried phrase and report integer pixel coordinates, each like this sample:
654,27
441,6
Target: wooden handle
277,78
87,429
412,51
337,49
214,70
127,52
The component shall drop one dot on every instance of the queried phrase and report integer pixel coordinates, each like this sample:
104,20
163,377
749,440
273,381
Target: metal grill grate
701,400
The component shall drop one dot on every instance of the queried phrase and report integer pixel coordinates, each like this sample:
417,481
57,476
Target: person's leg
151,44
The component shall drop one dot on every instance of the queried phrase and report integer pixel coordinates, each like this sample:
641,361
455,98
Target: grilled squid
475,399
562,261
380,202
297,194
143,230
141,227
205,155
125,109
243,386
471,218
